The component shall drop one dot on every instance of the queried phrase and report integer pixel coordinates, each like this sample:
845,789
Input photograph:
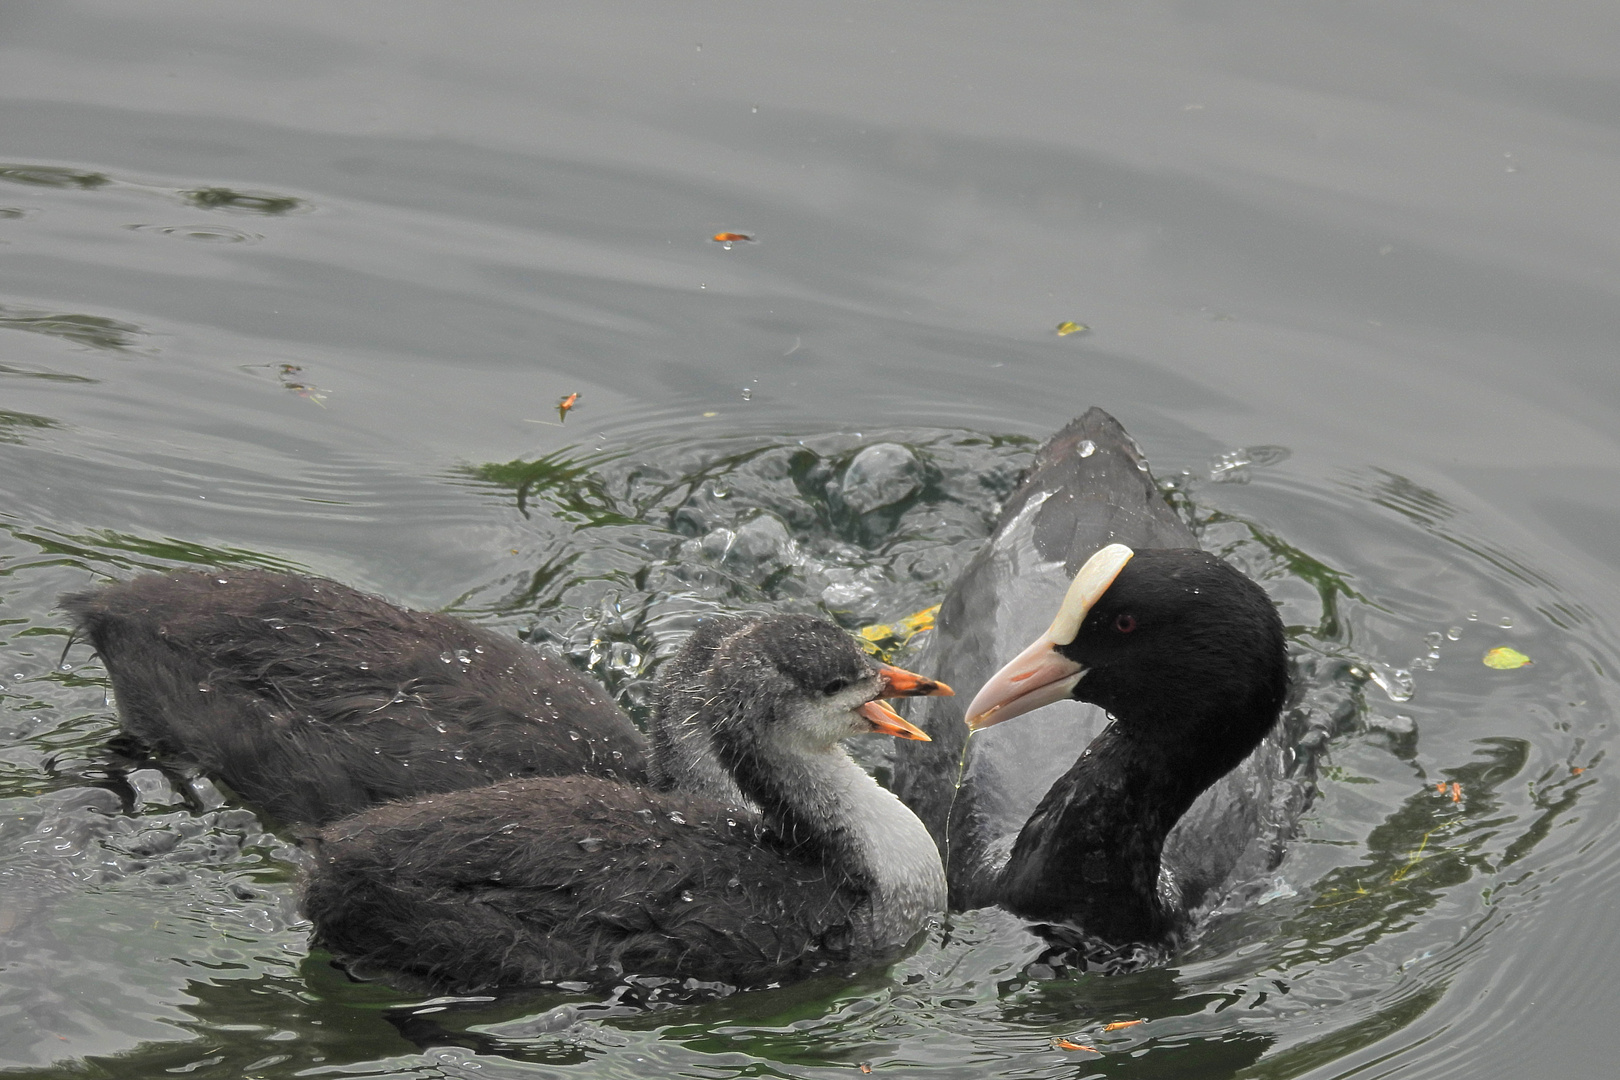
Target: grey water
302,285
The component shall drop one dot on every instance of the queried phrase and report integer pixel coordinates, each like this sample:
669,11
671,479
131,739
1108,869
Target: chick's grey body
575,878
313,700
578,877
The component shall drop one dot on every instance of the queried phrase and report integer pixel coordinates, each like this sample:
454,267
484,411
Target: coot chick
314,701
1187,655
527,882
1089,487
683,756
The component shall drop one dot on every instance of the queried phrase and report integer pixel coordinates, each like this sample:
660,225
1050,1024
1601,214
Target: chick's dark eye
1125,623
836,685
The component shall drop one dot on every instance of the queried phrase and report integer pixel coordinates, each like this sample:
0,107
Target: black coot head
1172,643
1176,635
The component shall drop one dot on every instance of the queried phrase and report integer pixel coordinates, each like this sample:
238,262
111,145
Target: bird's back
314,700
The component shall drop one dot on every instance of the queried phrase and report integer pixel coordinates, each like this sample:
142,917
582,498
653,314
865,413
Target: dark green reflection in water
1386,1021
14,425
1429,845
48,376
96,331
569,485
94,551
244,202
56,176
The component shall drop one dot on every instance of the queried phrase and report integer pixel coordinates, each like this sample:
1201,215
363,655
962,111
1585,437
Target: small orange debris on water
1064,1044
1456,792
1440,787
733,238
564,404
866,1066
1575,770
1117,1024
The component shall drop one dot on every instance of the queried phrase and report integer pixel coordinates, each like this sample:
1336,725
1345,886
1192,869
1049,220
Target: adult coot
1114,836
526,882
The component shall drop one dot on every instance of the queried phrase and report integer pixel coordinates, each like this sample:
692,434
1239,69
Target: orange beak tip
898,682
885,721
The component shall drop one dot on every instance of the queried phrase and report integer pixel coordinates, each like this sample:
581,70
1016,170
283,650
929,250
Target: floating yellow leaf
1064,329
881,639
1506,659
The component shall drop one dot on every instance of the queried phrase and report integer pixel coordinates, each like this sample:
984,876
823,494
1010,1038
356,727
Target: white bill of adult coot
528,882
1143,847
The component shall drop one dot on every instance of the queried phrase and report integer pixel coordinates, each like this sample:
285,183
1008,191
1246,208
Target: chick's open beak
898,682
885,721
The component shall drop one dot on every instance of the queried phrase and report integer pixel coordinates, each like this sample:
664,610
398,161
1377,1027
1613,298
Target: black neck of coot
1091,852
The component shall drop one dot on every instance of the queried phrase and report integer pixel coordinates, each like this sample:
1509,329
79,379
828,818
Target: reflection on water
56,176
13,425
245,202
94,330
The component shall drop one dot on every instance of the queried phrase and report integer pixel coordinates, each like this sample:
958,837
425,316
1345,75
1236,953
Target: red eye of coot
1125,623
